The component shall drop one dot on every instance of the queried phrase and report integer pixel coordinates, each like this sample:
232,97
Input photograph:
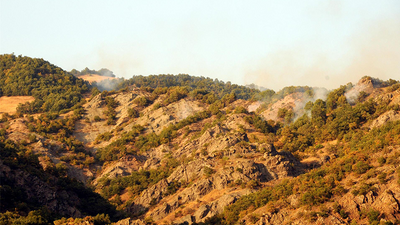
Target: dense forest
102,72
219,88
53,88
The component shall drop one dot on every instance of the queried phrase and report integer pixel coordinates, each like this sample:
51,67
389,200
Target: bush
141,101
373,215
106,136
240,109
101,219
97,118
361,167
381,160
133,113
208,171
32,138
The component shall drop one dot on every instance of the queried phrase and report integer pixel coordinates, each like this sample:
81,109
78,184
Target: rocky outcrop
274,165
55,199
150,196
215,207
123,167
129,221
388,116
385,199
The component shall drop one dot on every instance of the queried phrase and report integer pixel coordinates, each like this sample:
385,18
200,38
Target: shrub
373,215
106,136
382,178
32,138
381,160
141,101
133,113
101,219
361,167
208,171
240,109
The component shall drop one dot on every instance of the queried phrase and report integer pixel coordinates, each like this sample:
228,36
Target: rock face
389,116
123,167
385,199
129,221
288,102
273,165
35,189
215,207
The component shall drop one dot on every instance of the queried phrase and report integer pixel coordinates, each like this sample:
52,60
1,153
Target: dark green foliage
240,109
265,96
286,114
199,94
104,136
110,112
373,216
259,123
381,160
336,98
290,90
142,101
208,171
363,189
318,113
218,88
133,113
256,200
282,112
53,88
174,94
117,149
95,91
101,72
361,167
101,219
37,217
362,96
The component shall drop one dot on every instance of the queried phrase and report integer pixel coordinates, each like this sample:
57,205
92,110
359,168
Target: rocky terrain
197,162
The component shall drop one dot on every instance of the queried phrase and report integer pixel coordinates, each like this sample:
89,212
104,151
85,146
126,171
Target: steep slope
182,155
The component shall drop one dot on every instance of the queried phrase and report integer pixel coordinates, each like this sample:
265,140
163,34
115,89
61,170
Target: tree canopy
53,88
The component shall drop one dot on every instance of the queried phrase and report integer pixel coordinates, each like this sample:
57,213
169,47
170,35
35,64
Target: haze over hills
179,149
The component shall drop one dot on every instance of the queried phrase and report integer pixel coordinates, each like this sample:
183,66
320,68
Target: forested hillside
219,88
53,88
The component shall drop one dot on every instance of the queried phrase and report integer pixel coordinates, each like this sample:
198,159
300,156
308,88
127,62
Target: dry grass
95,78
9,104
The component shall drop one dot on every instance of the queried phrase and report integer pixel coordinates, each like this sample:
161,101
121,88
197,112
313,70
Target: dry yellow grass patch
9,104
94,77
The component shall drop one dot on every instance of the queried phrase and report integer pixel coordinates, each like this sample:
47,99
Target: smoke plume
372,51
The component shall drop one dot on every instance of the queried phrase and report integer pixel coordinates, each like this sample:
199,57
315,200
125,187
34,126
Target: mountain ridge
188,155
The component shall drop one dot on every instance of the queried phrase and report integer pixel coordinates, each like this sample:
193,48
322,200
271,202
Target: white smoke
319,93
352,94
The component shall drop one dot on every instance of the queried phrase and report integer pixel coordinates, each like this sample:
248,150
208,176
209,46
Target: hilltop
167,149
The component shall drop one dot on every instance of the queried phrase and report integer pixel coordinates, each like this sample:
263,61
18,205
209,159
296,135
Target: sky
273,44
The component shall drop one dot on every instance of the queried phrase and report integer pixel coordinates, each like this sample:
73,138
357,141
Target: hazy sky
270,43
